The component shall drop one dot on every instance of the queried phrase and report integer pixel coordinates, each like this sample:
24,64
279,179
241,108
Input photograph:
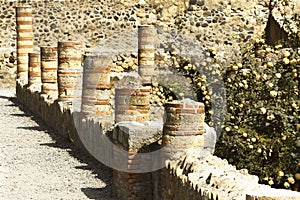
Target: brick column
146,52
96,86
69,72
132,103
34,71
183,127
49,71
24,41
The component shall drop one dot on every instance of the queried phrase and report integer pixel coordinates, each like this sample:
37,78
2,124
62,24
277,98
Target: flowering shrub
261,129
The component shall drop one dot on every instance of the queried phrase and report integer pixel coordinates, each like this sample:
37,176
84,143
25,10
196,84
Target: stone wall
213,23
194,175
151,158
104,25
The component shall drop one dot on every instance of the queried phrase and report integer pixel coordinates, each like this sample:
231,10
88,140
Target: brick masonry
189,173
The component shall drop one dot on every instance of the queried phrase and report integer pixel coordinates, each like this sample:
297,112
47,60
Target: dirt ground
37,163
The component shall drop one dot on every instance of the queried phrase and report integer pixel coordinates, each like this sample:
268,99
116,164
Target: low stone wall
195,175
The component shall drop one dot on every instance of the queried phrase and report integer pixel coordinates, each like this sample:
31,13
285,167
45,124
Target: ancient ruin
74,75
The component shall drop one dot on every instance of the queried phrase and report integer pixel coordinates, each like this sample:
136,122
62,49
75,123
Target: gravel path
36,163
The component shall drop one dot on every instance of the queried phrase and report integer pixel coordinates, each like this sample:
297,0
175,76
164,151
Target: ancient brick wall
152,159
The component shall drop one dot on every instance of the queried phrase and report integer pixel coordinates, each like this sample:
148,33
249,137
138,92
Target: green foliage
261,129
260,132
262,122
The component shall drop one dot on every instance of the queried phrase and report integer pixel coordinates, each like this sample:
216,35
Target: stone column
24,41
96,87
183,127
49,72
146,52
69,72
132,103
34,71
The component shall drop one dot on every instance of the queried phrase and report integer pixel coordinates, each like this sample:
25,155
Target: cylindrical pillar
183,127
146,52
96,86
34,71
49,71
132,103
24,41
69,72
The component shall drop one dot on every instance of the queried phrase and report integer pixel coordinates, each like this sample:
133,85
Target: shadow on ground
102,172
97,193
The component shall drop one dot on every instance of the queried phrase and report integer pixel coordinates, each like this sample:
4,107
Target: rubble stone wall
91,21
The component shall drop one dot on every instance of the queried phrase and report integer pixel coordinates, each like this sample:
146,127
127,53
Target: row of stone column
59,67
64,74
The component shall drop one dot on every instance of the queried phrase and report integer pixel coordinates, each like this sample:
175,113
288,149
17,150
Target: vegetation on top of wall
261,129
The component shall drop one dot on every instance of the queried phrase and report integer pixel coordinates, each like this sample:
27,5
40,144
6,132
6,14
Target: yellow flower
293,61
270,64
265,76
270,85
286,54
297,176
286,61
291,180
207,97
286,185
273,93
270,117
253,139
294,105
280,173
227,129
278,75
235,67
263,110
258,150
262,41
294,75
240,65
271,182
268,49
245,135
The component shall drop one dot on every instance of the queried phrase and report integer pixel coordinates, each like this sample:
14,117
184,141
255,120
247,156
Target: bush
260,131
